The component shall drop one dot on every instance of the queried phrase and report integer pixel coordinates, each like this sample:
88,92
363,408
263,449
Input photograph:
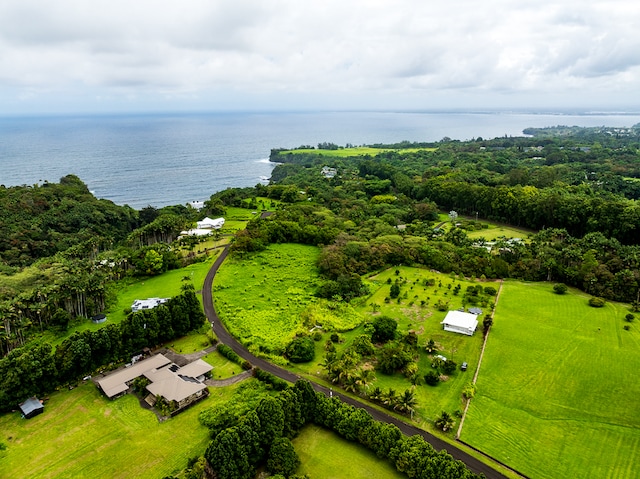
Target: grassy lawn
260,297
193,342
222,367
326,455
557,395
356,151
83,434
498,231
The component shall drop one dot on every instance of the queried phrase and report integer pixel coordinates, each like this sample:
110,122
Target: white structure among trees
208,223
460,322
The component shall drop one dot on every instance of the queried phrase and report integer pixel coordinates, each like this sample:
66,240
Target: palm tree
389,399
431,346
376,395
445,421
406,401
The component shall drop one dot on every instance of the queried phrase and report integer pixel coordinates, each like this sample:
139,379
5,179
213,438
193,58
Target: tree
449,366
395,291
406,401
431,346
393,357
445,421
271,418
282,458
301,350
228,456
384,329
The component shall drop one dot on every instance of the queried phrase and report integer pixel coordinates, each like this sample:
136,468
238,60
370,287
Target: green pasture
496,231
557,394
325,454
83,434
260,297
355,151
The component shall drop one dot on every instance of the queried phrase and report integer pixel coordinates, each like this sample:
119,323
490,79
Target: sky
68,56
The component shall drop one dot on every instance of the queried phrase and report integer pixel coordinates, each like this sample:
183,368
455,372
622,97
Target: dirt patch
416,313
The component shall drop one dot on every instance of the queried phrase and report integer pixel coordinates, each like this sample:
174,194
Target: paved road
223,335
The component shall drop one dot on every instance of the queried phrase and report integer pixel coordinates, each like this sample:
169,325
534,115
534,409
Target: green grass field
557,394
498,231
83,434
355,151
326,455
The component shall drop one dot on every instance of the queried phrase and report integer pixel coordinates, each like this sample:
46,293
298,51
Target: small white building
208,223
460,322
328,172
149,303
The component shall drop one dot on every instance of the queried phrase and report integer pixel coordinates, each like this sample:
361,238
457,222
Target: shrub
469,391
596,302
629,317
560,288
268,378
626,327
449,366
229,353
432,378
490,290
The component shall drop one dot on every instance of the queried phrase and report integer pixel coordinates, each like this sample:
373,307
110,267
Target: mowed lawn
558,390
326,455
83,434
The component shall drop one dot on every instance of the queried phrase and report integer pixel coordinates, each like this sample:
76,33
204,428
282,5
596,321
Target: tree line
263,436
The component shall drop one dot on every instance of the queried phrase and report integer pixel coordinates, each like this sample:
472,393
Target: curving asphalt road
223,335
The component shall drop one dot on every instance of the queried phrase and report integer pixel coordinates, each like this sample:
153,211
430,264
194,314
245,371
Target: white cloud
199,51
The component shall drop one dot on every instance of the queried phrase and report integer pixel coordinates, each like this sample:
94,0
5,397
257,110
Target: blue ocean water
166,159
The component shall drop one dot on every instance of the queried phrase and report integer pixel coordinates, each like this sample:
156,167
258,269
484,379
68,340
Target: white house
140,304
460,322
208,223
328,172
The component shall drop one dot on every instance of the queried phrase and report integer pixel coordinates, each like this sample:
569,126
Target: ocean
168,159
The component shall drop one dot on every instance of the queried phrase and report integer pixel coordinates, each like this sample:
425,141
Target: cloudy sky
160,55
